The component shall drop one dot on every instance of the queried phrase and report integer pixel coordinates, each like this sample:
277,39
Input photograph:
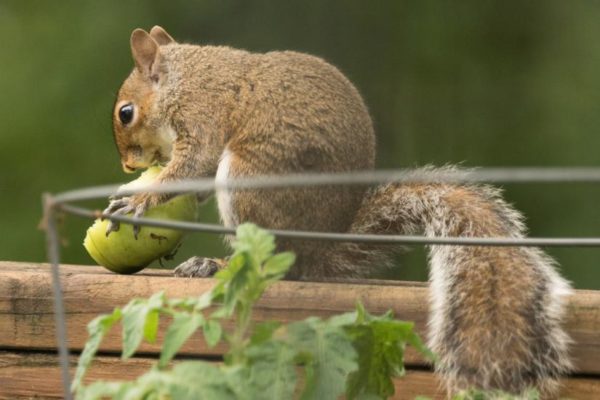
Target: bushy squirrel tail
496,312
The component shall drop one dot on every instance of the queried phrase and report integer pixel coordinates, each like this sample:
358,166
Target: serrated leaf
380,342
190,380
97,329
272,370
381,357
263,332
204,301
474,394
135,315
415,341
278,265
101,390
157,300
342,320
134,322
234,264
183,326
232,282
186,303
252,240
368,396
151,326
212,332
332,357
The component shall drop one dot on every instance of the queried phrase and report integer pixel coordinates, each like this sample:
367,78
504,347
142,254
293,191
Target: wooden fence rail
29,366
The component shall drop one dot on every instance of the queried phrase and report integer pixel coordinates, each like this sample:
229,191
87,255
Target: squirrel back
216,111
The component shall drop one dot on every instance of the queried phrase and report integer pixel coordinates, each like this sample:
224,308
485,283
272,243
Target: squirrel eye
126,114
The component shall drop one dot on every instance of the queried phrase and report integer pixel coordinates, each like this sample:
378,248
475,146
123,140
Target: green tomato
121,252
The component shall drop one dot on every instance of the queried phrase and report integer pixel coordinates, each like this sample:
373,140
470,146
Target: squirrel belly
228,217
218,112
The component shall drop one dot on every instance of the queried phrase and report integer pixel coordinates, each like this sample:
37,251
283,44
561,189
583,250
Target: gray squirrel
213,111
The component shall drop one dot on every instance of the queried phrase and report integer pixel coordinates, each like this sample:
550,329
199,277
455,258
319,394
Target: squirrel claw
139,212
113,226
120,206
136,231
115,205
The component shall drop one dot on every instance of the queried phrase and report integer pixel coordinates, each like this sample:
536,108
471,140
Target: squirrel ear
145,51
161,36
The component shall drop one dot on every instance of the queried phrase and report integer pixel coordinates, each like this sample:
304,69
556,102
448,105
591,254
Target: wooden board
26,321
26,307
26,303
35,375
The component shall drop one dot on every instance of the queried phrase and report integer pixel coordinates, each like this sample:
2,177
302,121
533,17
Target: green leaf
187,303
361,313
97,329
204,301
190,380
135,316
183,326
415,341
380,342
236,262
212,332
473,394
263,332
343,320
151,326
272,370
381,357
233,281
329,353
255,241
278,265
237,289
103,389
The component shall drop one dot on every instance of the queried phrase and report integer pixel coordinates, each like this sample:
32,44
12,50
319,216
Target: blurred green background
482,83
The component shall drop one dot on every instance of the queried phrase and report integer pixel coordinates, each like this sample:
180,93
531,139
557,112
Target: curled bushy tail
496,312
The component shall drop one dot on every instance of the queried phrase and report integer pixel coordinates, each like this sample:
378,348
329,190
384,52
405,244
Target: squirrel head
140,130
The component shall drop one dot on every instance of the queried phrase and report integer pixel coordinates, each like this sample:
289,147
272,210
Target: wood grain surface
36,376
28,366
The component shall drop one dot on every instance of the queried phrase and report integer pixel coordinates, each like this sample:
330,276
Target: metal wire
60,202
345,237
431,175
425,175
59,311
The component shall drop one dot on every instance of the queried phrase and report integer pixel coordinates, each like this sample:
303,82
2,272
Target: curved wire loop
61,202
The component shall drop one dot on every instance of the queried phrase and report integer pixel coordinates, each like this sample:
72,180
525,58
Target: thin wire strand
445,175
425,175
59,311
344,237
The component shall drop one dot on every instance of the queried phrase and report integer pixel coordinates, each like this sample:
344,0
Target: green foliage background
482,83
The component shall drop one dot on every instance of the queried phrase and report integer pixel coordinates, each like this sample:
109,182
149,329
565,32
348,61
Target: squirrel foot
118,206
199,267
124,206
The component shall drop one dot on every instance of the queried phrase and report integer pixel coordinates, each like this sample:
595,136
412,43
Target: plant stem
239,334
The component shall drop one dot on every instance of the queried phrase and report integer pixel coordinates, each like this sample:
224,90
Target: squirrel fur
207,111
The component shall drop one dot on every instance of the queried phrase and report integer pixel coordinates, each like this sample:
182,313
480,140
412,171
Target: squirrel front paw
138,205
